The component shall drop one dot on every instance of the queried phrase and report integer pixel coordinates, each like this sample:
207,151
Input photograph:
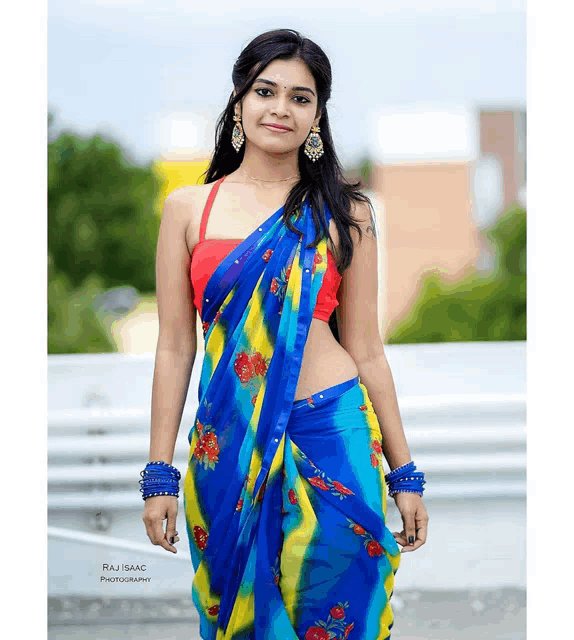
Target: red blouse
208,254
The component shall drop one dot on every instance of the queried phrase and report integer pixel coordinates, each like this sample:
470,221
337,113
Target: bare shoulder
186,204
188,196
362,214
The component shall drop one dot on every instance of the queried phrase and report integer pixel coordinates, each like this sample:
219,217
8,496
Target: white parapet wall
463,407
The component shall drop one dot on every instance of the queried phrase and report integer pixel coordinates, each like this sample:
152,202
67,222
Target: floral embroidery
374,548
200,536
319,483
207,448
342,489
259,364
377,457
334,628
249,365
244,367
371,545
279,285
357,529
322,481
317,260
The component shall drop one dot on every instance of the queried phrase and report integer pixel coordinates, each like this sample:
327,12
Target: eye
303,99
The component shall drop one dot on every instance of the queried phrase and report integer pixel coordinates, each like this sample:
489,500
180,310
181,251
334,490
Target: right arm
175,355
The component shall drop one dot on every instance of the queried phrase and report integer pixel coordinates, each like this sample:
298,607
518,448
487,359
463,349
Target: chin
274,148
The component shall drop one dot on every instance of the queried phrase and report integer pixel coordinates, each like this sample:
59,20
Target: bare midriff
325,362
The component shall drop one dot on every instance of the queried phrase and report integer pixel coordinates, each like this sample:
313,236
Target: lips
277,127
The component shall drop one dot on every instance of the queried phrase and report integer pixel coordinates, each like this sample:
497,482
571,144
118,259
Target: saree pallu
284,501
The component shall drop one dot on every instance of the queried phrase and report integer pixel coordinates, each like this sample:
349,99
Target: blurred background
429,110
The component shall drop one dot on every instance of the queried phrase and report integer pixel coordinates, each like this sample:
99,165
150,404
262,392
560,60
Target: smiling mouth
274,128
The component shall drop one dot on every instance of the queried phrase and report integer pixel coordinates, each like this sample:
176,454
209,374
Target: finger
422,529
170,532
402,540
421,520
409,526
400,537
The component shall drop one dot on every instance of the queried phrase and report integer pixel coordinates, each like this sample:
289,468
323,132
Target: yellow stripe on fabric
321,267
387,618
215,345
375,434
257,338
277,462
387,615
194,517
193,514
255,329
202,587
295,545
241,616
216,342
295,281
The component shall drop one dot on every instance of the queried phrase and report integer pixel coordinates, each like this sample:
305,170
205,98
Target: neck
263,166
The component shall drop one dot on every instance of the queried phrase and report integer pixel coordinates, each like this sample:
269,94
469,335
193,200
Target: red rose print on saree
335,627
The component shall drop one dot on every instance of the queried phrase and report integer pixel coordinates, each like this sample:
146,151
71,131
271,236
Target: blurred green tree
102,216
102,232
74,326
480,306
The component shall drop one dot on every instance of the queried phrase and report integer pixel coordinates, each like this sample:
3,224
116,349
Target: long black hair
321,181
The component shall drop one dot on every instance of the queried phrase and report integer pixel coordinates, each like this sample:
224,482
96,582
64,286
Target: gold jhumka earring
314,145
237,135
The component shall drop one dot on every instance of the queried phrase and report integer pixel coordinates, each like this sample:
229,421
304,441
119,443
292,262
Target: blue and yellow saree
284,501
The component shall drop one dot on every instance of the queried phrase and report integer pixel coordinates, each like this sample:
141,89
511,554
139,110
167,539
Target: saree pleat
277,493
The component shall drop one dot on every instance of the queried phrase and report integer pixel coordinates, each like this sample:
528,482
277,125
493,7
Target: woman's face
284,94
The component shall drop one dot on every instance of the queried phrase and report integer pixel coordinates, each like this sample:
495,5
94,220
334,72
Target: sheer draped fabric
256,501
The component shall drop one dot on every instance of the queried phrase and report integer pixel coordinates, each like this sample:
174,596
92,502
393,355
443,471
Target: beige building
427,212
449,175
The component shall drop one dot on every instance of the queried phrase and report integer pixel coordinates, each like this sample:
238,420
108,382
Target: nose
280,107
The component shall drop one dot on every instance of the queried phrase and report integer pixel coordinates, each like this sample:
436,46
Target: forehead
288,72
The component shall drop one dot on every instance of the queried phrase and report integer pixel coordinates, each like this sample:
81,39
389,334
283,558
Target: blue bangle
159,479
399,471
405,479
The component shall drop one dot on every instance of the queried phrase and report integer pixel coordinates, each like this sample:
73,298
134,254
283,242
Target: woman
284,493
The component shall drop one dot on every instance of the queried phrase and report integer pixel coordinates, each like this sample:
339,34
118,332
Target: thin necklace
260,180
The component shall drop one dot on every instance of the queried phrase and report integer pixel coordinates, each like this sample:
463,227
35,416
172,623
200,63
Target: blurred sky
125,68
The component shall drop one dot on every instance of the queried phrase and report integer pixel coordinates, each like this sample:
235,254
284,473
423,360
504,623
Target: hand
415,521
156,510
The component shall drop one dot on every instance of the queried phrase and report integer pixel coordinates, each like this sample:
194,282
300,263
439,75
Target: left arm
358,322
357,317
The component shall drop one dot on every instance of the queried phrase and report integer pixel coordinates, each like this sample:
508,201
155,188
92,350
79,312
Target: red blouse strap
207,207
